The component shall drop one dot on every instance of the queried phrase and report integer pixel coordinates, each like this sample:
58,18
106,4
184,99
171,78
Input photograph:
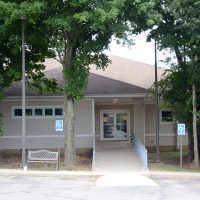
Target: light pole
23,97
156,107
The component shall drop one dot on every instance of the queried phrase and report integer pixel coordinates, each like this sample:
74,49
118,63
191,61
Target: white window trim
33,111
166,109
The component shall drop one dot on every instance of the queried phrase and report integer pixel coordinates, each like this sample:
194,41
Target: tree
10,42
189,14
76,32
80,31
179,32
10,51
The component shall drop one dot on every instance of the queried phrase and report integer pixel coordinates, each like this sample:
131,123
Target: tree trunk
69,147
190,145
69,116
196,153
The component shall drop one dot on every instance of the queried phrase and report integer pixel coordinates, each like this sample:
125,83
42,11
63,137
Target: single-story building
117,104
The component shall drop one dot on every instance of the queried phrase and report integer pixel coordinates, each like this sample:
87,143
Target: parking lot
57,188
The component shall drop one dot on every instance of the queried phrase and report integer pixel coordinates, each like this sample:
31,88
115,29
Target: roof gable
121,77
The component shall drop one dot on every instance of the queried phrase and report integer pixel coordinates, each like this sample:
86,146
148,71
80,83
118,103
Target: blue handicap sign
181,129
59,125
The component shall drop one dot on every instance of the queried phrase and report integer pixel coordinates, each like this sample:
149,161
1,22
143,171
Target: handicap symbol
181,129
59,125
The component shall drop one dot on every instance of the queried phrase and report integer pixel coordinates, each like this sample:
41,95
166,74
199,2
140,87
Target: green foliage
80,31
178,30
11,13
87,26
75,32
77,78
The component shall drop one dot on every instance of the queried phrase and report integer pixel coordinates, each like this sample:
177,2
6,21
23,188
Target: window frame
167,122
33,116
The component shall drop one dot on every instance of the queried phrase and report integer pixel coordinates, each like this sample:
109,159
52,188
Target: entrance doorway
114,125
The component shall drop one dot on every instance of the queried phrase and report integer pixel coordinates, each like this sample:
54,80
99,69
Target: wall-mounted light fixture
115,101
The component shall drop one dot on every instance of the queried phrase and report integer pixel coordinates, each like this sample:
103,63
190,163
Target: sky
142,51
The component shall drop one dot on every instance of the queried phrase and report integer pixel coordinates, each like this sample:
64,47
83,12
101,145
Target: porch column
139,119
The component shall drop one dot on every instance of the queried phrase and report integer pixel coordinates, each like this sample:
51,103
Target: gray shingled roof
97,85
122,77
130,71
102,85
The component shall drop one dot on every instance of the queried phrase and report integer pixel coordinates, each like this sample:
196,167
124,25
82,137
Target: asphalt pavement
57,188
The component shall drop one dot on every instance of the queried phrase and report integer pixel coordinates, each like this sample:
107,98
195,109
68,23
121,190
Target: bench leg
57,166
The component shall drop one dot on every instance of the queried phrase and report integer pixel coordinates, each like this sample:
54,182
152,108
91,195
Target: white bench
44,156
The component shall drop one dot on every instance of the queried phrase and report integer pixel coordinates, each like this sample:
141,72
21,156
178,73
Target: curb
180,175
94,175
60,174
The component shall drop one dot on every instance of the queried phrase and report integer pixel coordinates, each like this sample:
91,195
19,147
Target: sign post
181,133
59,128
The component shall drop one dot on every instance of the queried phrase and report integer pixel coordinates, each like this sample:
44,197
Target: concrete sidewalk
95,175
117,157
42,173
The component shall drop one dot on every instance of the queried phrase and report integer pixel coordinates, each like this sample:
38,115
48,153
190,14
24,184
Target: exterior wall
139,119
98,108
41,131
167,132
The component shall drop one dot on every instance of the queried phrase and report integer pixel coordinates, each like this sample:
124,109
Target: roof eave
116,95
86,96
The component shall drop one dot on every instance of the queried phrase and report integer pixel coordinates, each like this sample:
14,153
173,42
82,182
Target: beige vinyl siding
41,131
83,117
167,132
43,142
34,126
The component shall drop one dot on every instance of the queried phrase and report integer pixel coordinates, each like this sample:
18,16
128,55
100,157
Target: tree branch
58,60
178,55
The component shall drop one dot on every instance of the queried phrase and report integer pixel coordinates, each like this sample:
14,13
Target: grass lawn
170,161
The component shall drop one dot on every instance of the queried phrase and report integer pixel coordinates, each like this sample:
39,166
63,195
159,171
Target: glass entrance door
114,125
121,126
108,125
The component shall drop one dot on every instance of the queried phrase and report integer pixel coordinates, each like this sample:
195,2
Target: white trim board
44,136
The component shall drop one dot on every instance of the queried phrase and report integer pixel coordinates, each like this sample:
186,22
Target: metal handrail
141,151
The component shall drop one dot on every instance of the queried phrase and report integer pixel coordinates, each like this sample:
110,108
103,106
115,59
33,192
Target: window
18,112
48,111
58,111
38,112
29,112
167,116
34,112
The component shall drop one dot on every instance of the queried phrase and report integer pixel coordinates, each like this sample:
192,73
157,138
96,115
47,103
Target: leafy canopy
81,30
11,13
179,31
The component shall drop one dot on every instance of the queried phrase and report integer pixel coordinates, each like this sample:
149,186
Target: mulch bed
174,162
10,160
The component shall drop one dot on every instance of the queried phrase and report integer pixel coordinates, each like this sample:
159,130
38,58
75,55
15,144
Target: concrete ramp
117,157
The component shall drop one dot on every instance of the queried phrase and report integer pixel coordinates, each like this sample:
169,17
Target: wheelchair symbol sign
59,125
181,129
